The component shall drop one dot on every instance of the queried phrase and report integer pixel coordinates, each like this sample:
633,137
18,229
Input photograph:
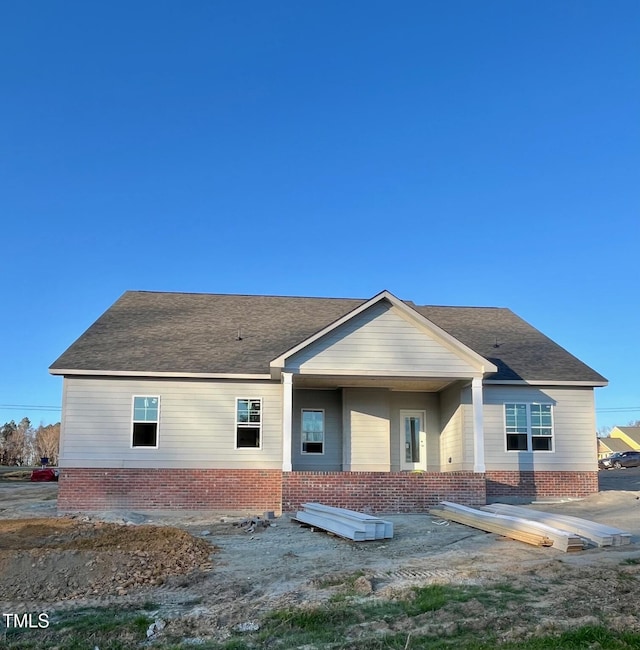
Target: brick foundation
537,485
381,491
184,489
259,490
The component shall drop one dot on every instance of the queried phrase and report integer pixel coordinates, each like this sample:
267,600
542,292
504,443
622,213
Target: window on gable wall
312,432
529,427
248,423
146,416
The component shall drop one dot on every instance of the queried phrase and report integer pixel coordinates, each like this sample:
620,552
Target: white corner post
287,409
478,426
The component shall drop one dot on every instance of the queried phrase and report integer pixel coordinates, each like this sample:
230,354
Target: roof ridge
240,295
272,295
461,306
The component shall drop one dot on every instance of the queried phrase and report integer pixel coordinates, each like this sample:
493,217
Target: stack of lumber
595,533
523,530
353,525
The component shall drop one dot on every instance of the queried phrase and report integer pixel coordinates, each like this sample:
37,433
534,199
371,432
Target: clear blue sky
455,153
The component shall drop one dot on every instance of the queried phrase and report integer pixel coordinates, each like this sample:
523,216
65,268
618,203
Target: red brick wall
188,489
381,491
259,490
541,484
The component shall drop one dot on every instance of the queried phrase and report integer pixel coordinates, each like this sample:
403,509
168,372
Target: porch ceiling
392,383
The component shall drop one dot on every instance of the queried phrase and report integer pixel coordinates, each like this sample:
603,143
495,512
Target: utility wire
618,409
33,407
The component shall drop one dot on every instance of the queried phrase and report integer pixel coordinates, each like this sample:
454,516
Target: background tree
47,442
603,432
16,443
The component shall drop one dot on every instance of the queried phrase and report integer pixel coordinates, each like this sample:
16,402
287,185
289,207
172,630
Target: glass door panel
413,438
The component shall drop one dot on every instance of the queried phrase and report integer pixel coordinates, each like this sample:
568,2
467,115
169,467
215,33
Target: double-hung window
248,423
312,431
146,417
529,427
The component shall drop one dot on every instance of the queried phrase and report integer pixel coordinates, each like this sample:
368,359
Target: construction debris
595,533
523,530
356,526
252,524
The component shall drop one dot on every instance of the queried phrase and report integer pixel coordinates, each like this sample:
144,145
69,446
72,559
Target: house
608,446
630,435
208,401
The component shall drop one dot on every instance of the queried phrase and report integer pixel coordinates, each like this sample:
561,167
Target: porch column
287,408
478,425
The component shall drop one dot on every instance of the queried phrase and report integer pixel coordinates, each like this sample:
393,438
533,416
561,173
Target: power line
31,407
618,409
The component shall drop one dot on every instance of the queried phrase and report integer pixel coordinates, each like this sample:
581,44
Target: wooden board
531,532
380,529
598,534
336,527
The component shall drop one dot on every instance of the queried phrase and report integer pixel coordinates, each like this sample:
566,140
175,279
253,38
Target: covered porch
350,423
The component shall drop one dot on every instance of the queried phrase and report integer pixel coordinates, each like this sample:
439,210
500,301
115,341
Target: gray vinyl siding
466,407
63,422
331,402
366,415
372,427
574,438
196,429
451,424
383,341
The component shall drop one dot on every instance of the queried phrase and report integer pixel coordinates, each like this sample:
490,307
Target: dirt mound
64,558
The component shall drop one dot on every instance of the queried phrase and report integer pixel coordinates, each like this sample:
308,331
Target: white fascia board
404,374
162,375
540,382
453,343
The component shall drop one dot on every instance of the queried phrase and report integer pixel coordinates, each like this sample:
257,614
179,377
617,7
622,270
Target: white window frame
530,428
248,425
134,421
324,433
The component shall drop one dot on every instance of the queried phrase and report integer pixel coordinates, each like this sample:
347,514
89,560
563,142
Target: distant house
630,435
243,402
608,446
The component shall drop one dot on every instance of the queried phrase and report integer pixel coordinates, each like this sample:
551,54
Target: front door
413,440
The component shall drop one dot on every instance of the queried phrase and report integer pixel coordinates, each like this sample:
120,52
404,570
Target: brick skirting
381,491
184,489
256,490
537,485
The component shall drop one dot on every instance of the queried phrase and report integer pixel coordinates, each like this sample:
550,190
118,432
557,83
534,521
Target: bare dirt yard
205,579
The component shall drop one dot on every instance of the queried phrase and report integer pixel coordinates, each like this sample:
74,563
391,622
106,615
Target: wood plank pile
350,524
594,533
523,530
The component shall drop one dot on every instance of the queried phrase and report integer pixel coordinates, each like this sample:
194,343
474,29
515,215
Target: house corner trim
287,410
478,425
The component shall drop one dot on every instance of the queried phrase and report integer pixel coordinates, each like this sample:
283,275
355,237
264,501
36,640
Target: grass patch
107,628
433,597
329,623
351,624
16,475
631,561
587,637
318,625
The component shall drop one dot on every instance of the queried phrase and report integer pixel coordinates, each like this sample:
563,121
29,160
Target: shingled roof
631,432
184,333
